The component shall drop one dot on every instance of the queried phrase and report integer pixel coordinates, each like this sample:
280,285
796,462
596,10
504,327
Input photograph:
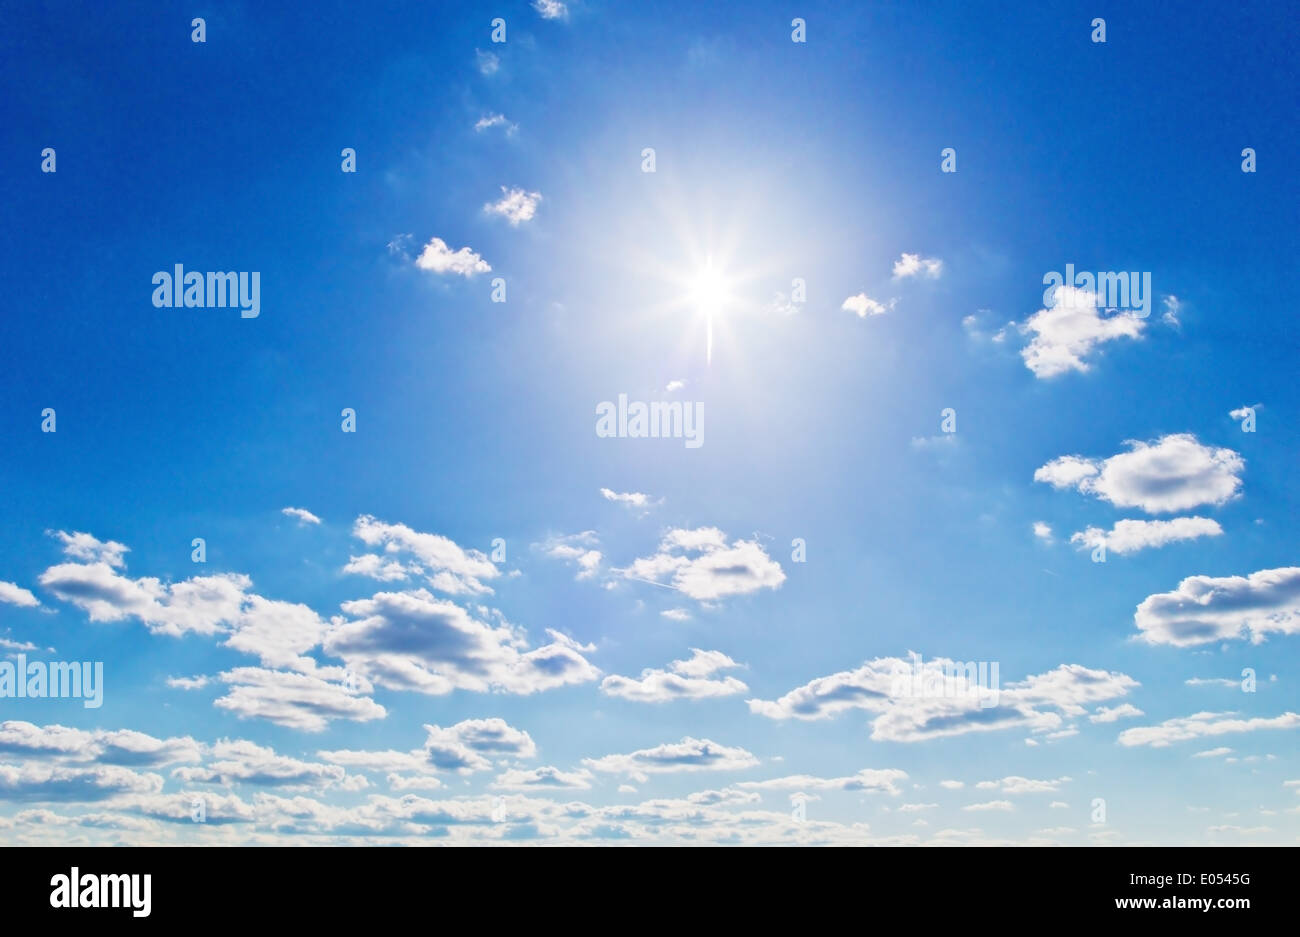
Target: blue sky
653,664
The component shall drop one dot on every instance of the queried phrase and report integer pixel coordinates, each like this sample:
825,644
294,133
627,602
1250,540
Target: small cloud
14,594
863,305
1213,753
438,258
674,386
1043,531
489,121
1172,308
676,614
188,683
304,516
488,64
515,205
630,499
551,9
912,265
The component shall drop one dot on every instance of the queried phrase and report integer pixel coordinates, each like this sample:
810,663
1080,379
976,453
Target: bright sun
709,292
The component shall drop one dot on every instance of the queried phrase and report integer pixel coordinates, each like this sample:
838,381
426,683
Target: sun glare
709,292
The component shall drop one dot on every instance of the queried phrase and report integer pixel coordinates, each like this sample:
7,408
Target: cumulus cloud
240,761
1129,536
863,305
1067,332
1115,713
447,566
14,594
414,641
1014,785
111,747
1204,609
701,564
296,700
1043,531
690,754
693,678
1203,725
914,265
304,516
515,205
1040,702
438,258
467,746
1173,473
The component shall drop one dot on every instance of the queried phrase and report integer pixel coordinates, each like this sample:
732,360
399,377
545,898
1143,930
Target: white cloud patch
1130,536
576,549
551,9
515,205
1039,702
544,778
414,641
694,678
487,121
701,564
882,781
690,754
296,700
914,265
1174,473
448,567
1203,725
1115,713
302,514
14,594
863,305
1065,334
438,258
1204,609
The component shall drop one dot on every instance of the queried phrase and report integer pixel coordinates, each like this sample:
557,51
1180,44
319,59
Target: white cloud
384,569
547,778
438,258
884,781
576,549
1213,753
297,700
488,63
991,805
1039,702
692,678
107,747
467,746
631,499
304,516
863,305
495,120
1129,536
1115,713
1015,785
551,9
1203,725
1066,333
413,641
448,567
1172,307
716,570
1043,531
188,683
676,614
674,386
690,754
912,265
952,785
515,205
1174,473
14,594
241,761
89,549
1204,609
1211,681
